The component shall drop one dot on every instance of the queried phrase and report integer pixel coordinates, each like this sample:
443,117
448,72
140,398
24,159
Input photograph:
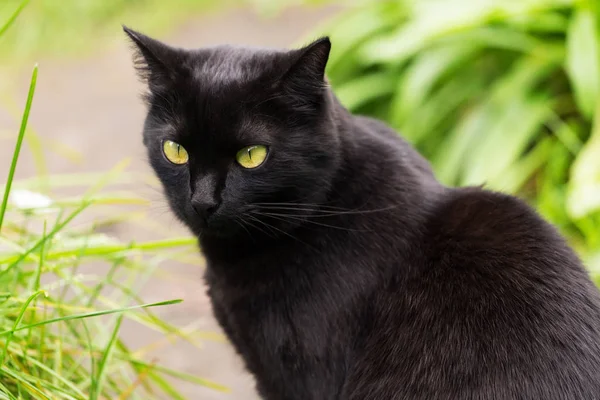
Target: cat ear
305,79
155,62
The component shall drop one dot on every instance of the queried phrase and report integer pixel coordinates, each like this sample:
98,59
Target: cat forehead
227,64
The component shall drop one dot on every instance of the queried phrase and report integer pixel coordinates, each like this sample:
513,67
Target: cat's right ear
155,62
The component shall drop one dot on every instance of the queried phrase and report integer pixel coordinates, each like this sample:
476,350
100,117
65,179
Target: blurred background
503,93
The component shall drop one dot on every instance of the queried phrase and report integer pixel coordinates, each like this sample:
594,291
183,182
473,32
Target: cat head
236,133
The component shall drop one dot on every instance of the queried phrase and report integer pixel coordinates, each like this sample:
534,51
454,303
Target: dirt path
93,106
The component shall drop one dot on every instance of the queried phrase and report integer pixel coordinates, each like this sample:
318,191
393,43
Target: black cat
337,265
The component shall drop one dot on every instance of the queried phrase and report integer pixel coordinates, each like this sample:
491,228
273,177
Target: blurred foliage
270,8
77,27
501,92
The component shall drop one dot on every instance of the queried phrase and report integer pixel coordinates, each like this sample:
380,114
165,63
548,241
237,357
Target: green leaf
480,127
550,186
435,20
583,196
358,92
351,29
514,128
420,77
583,60
434,118
517,174
549,22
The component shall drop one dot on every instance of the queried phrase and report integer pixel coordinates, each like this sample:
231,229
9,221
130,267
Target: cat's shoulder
485,226
484,212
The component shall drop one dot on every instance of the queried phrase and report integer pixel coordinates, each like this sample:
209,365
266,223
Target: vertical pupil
178,149
250,154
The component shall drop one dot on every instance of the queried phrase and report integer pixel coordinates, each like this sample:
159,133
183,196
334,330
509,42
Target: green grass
494,92
66,288
55,339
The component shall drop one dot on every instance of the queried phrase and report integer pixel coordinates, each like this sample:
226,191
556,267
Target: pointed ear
305,79
311,61
155,62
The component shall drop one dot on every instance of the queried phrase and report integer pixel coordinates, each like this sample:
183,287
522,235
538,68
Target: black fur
340,268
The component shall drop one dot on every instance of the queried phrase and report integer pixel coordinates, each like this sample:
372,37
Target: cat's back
497,307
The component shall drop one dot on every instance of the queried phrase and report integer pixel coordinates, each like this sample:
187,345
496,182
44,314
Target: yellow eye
175,152
251,156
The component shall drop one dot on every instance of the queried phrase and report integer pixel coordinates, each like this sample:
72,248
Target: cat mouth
216,225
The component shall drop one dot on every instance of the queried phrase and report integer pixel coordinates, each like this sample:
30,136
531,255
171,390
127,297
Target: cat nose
204,198
204,207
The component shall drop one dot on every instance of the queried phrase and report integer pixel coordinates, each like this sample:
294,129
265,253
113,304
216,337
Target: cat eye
252,156
175,152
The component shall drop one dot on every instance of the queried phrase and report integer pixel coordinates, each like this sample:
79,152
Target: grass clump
66,289
59,318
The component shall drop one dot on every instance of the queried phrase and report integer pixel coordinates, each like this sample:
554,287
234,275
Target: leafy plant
494,92
59,322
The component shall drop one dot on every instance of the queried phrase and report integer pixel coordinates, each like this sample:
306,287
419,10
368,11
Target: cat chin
233,229
217,228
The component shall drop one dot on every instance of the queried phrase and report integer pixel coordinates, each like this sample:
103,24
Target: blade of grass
13,17
19,378
97,382
34,285
91,314
35,282
140,379
13,165
44,239
103,250
58,378
186,377
16,324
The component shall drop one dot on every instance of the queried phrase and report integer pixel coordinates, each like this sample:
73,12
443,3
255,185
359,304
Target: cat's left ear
156,63
305,79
